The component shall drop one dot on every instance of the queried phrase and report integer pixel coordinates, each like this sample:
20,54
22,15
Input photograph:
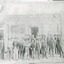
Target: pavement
51,60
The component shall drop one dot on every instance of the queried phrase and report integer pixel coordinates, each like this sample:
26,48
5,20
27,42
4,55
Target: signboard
18,29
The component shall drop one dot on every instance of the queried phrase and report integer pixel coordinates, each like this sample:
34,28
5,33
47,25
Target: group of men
36,48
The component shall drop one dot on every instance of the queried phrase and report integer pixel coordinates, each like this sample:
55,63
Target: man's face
32,41
37,40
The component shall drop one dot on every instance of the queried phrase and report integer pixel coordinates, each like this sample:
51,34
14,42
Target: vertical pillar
5,39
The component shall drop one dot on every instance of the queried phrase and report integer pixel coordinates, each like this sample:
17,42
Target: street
50,60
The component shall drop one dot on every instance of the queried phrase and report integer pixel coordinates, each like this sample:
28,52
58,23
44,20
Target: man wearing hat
27,45
32,47
37,48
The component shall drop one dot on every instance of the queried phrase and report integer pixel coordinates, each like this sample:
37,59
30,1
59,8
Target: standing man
32,47
16,51
37,48
27,45
58,45
44,46
55,42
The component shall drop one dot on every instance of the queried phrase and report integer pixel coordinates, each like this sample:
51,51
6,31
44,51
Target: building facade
18,20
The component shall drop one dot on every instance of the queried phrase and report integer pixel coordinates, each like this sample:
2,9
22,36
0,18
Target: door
34,31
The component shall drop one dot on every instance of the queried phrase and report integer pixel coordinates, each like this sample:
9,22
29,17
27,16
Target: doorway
34,31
